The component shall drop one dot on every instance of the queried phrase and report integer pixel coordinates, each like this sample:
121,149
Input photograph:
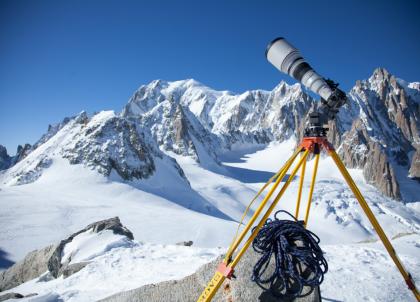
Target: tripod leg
311,190
269,210
258,211
407,277
218,278
302,176
278,176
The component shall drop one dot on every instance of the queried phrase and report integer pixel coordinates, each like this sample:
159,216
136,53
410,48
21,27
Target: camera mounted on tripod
287,59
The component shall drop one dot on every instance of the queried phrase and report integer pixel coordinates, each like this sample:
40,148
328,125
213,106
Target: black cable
299,260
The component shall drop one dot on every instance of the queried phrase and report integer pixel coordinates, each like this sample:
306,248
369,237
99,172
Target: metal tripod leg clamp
225,270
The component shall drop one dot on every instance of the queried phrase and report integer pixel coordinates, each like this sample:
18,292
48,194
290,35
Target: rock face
105,143
122,148
377,131
190,287
11,296
22,152
5,159
71,269
32,266
415,165
49,258
55,266
189,118
379,128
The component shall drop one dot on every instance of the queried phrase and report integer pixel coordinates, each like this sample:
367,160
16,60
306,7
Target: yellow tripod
308,145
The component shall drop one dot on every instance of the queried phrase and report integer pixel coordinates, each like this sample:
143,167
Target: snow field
360,269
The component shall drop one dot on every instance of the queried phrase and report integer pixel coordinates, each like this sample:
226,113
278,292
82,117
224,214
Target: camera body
287,58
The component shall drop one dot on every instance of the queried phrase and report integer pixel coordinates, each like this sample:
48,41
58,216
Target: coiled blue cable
295,249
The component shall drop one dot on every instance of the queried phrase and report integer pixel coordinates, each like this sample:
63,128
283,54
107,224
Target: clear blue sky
60,57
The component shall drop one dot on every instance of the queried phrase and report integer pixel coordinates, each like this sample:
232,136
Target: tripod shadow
250,176
244,175
4,261
247,175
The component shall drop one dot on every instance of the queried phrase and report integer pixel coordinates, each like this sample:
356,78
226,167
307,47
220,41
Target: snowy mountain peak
382,117
380,74
105,142
283,86
414,86
191,119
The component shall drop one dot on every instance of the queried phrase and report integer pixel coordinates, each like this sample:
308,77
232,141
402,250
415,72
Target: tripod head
287,59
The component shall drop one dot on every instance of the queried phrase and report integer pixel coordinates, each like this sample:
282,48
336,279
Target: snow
117,269
364,272
199,193
72,196
68,197
88,245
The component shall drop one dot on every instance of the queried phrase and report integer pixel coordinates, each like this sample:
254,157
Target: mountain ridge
376,131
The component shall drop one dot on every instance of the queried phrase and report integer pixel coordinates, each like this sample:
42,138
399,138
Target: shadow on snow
4,261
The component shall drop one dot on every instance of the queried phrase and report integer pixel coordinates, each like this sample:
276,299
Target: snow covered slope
359,267
182,161
377,131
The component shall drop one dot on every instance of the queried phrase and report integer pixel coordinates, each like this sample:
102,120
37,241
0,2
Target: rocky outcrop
189,118
32,266
55,266
53,129
378,129
49,259
8,296
375,131
22,152
182,139
71,269
189,288
358,150
415,165
105,142
112,144
5,159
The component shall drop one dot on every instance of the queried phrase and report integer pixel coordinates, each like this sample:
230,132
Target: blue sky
58,58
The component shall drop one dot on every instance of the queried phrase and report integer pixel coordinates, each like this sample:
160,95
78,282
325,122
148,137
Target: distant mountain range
377,131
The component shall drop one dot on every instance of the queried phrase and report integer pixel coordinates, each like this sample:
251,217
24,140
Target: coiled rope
299,260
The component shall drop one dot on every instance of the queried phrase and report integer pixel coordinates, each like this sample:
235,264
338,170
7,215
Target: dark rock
5,159
415,165
22,152
71,269
49,259
114,224
185,243
11,296
108,146
53,129
377,129
182,141
359,150
32,266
